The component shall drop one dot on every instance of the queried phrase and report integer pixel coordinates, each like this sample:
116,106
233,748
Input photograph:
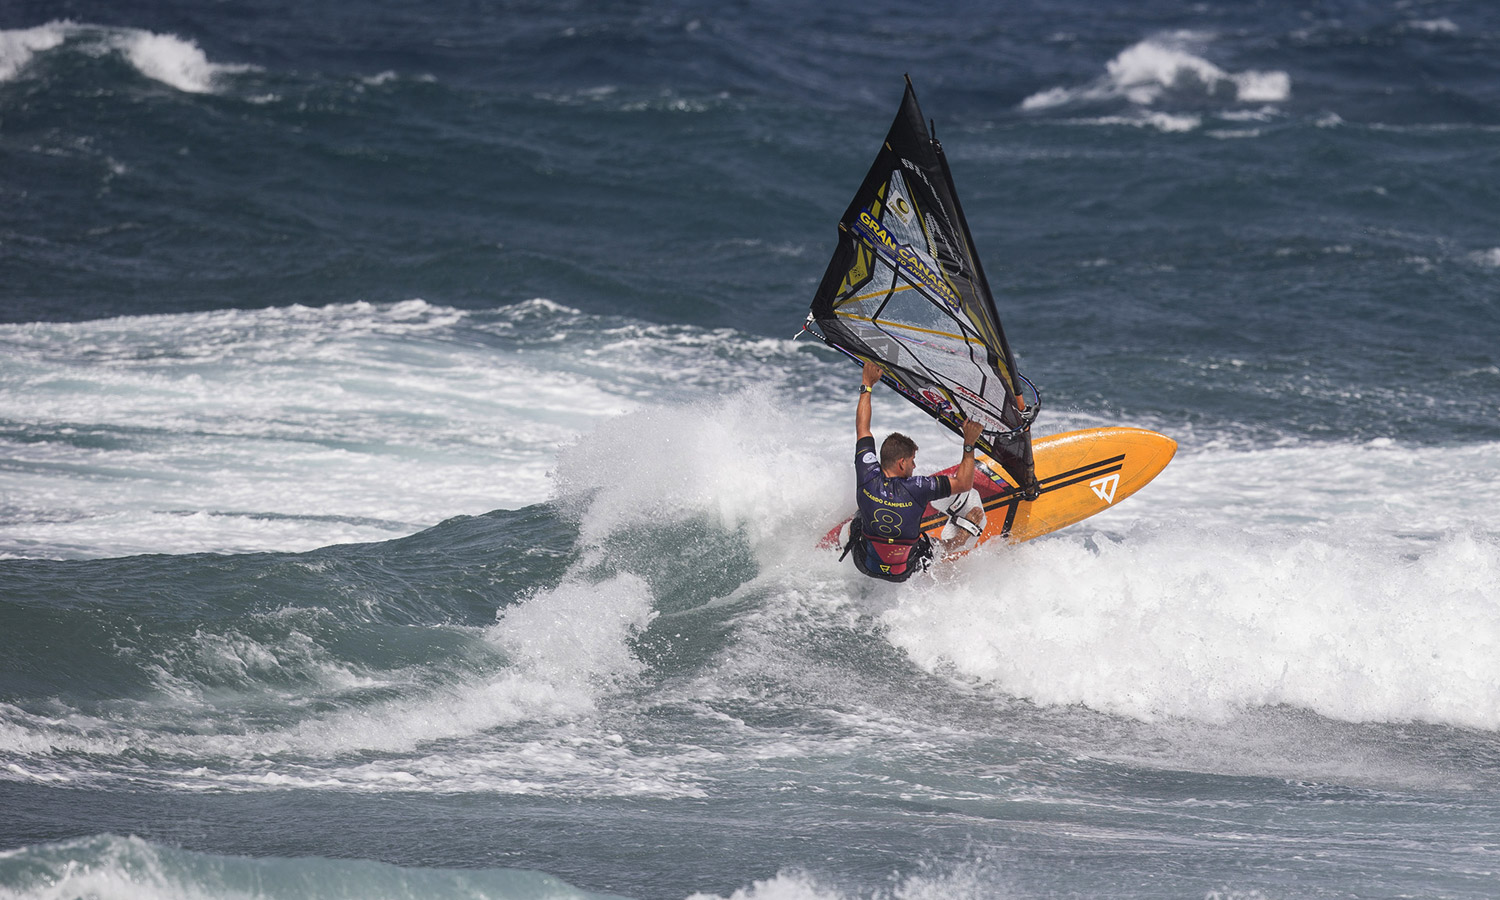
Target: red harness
893,553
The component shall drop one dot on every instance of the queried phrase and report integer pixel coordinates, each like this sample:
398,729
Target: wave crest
1163,66
166,58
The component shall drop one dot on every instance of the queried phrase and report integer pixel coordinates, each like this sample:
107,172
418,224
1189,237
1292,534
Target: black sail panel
905,288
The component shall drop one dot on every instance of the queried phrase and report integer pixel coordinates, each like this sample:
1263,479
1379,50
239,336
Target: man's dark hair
896,448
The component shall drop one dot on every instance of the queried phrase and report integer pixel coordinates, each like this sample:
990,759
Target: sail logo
907,259
968,393
936,400
1105,487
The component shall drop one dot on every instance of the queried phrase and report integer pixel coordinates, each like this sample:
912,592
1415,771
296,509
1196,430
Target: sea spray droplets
575,636
745,460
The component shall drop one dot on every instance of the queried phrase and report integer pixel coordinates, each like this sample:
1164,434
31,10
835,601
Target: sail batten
905,288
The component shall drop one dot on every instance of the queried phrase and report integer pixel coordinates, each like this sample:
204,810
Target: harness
915,554
898,558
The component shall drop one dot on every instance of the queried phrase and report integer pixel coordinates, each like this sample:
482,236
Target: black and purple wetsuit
887,536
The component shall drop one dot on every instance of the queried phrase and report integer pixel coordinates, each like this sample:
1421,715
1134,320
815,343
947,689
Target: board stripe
1011,496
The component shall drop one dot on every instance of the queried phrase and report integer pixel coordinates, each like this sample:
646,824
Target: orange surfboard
1081,473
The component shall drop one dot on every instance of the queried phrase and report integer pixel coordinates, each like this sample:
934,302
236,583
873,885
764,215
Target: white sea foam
1363,592
1229,134
273,429
1433,26
1261,87
1490,258
964,881
745,459
1201,624
1164,122
385,77
110,867
295,428
525,729
568,647
125,868
1360,590
1142,72
18,46
1382,494
172,60
167,58
1147,73
576,635
1323,562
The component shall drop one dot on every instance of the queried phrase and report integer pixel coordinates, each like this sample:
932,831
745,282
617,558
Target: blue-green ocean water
409,482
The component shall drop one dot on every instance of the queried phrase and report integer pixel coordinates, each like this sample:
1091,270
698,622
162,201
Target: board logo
1105,487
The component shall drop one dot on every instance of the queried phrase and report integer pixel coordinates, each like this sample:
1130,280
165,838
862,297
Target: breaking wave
167,58
1161,69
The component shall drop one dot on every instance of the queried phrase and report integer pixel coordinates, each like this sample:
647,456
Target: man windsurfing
886,535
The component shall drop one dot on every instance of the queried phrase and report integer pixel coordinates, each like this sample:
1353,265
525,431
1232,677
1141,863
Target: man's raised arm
962,478
868,379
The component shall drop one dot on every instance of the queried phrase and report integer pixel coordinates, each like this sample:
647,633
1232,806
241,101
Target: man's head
899,452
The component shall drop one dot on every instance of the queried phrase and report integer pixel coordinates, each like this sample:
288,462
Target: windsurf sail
905,288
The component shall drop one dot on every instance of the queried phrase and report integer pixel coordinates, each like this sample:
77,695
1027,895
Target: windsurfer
886,536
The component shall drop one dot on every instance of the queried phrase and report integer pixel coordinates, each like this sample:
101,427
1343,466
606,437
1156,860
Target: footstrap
959,520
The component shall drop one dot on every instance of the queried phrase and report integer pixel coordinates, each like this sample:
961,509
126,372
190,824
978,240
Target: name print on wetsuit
892,508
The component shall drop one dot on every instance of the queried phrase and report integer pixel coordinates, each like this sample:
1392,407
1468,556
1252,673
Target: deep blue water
408,480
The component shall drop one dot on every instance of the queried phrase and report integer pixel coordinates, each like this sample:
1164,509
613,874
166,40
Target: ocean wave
1360,591
1205,623
296,427
1159,69
342,670
1359,594
961,881
353,670
284,428
1167,123
756,476
18,46
166,58
108,865
1444,26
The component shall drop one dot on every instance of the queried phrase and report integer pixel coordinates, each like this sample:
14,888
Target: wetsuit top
891,509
